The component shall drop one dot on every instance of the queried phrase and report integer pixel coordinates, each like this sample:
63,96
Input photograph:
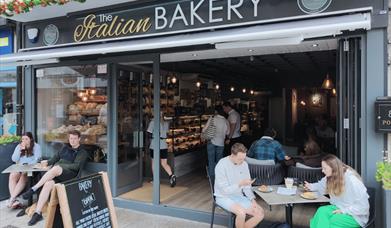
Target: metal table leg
288,214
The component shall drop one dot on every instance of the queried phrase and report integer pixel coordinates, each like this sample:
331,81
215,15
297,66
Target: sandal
16,205
10,202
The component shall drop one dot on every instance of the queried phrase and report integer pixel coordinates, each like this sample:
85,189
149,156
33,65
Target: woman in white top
27,152
215,146
348,196
164,127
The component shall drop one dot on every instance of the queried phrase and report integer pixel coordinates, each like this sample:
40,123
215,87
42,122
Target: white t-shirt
222,129
234,118
164,128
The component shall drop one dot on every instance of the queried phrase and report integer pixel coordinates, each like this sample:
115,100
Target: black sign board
84,202
172,17
383,114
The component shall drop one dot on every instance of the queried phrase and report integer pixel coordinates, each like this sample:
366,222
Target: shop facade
73,74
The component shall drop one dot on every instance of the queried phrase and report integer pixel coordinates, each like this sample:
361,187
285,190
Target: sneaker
172,180
35,218
27,195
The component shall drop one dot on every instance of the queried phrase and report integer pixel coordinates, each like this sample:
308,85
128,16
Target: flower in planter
383,174
11,7
6,139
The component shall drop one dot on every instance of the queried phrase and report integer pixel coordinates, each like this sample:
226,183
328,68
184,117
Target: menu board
86,202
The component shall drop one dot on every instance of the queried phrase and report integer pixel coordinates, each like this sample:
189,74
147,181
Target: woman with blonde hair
348,196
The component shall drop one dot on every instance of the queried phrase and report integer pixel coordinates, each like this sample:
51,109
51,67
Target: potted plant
7,147
383,174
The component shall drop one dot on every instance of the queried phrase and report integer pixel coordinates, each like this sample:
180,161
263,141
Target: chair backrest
211,180
372,209
267,174
303,174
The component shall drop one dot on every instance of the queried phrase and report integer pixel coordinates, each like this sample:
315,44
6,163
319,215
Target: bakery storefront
107,72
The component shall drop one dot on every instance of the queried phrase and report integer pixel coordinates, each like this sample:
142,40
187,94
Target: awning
294,30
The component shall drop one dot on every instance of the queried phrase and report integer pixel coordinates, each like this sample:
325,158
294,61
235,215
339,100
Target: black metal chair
304,174
231,215
267,174
372,209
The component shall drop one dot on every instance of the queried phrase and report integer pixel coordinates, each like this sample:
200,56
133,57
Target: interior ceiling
303,65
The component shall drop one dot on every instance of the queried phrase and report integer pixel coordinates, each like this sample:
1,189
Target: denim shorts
227,202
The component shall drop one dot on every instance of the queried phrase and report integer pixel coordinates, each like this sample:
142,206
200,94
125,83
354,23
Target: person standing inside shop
215,146
164,128
234,135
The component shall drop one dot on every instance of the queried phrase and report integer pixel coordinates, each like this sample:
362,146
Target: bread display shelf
63,138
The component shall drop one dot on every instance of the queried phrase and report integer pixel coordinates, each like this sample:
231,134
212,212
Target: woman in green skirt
348,196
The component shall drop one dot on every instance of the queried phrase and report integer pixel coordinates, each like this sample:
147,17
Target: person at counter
233,188
348,196
234,135
164,128
215,146
267,148
66,165
27,152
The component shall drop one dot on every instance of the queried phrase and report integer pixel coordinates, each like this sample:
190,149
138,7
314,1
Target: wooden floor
198,197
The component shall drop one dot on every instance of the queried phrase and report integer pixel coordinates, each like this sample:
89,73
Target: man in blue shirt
266,148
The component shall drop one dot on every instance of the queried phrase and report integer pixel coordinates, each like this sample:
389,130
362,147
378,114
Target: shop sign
6,41
383,114
180,17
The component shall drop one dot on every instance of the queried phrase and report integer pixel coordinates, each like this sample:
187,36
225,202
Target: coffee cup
289,182
44,163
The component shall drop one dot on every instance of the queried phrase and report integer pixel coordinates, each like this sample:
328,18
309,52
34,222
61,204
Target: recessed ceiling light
250,50
315,45
194,55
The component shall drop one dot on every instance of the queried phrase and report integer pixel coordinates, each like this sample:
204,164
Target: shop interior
284,87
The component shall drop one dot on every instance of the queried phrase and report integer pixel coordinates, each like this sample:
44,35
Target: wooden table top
272,198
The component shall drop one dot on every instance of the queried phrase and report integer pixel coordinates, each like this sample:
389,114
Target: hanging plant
12,7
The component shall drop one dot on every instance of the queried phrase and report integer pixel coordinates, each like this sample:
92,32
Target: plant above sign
11,7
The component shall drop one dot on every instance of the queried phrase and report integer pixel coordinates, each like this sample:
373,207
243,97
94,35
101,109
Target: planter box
387,208
6,152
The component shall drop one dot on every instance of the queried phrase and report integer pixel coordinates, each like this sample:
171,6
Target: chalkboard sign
86,202
383,114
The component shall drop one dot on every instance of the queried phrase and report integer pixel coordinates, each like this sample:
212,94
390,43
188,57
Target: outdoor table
29,169
272,198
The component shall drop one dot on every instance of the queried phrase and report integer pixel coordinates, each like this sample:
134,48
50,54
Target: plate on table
265,189
309,195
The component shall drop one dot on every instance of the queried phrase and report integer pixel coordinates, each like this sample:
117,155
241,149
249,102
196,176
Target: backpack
210,131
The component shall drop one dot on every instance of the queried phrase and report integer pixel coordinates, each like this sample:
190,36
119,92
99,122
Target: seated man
266,148
66,165
233,188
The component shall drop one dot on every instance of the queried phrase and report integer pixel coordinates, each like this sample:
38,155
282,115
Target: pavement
126,219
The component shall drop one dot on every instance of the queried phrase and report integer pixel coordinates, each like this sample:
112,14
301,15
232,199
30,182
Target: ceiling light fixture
244,90
315,45
217,87
327,83
198,84
173,79
194,55
251,92
250,50
232,89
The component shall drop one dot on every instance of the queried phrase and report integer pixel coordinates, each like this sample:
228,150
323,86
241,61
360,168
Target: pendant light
327,83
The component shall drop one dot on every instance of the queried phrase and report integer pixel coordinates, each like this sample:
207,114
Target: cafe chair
267,174
231,215
372,209
305,174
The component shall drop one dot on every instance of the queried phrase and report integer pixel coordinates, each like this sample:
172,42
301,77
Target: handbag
210,131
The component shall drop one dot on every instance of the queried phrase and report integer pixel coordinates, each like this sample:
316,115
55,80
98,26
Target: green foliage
383,174
5,139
